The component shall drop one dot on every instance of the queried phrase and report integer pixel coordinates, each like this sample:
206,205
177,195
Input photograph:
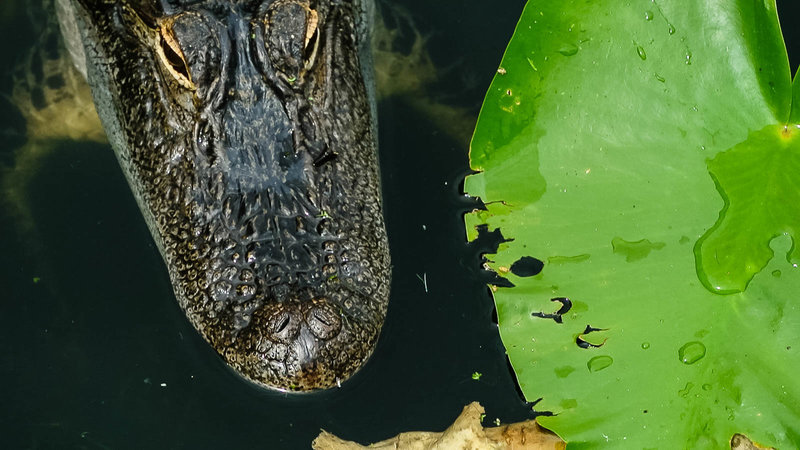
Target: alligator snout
246,132
310,323
302,345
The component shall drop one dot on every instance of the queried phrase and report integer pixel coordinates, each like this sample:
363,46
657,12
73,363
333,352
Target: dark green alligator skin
246,130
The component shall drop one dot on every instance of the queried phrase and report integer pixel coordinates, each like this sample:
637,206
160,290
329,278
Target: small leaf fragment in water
424,280
476,375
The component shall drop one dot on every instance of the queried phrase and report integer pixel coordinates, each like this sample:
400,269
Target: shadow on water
97,353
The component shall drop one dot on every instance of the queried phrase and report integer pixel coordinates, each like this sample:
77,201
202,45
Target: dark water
97,354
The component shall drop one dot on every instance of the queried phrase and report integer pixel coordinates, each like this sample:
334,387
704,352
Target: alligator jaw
246,132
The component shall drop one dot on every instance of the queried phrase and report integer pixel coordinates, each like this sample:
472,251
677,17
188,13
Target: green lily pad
647,153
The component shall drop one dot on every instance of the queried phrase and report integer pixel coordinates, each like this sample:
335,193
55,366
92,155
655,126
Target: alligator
247,133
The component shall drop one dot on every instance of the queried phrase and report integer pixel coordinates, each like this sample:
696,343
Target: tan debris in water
465,433
741,442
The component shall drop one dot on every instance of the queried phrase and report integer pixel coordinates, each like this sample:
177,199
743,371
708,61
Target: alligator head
246,130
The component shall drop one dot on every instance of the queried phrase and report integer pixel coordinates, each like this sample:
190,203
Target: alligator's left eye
172,56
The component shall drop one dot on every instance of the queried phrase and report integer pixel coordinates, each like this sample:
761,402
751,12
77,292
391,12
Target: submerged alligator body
246,129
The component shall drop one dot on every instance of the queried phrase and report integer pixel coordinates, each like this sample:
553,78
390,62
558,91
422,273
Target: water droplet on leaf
691,352
634,250
645,345
599,363
563,372
640,51
568,50
648,15
567,259
686,389
569,403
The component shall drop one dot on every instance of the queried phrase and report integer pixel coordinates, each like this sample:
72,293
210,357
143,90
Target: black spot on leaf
527,267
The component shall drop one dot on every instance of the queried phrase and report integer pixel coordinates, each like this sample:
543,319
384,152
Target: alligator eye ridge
292,37
171,55
311,43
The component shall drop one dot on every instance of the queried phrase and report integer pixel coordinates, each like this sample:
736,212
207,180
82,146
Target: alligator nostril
279,322
321,318
323,322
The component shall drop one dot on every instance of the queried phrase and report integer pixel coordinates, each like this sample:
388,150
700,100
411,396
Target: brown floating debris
465,433
741,442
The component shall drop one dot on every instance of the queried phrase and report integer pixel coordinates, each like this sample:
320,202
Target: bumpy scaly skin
246,131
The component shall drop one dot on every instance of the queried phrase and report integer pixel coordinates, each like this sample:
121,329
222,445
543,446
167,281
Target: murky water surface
97,354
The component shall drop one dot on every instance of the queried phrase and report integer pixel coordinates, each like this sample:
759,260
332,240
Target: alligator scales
246,130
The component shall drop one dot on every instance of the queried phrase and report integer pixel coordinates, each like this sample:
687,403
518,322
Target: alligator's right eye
172,56
292,35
